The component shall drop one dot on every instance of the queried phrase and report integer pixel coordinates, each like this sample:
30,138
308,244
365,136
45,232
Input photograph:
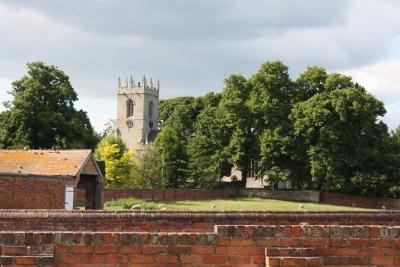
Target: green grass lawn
234,204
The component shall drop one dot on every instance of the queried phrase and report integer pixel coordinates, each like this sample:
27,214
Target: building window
129,108
151,107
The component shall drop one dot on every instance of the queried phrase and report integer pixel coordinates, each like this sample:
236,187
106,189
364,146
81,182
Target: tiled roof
43,162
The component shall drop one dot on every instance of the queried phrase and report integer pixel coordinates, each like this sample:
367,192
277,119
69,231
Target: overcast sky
192,46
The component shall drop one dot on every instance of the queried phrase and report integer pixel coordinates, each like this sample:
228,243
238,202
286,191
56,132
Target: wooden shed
48,179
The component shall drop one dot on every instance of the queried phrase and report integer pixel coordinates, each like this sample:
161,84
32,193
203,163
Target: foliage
394,163
118,162
168,106
148,172
271,101
310,82
42,113
395,134
320,131
207,154
171,152
179,117
346,146
235,110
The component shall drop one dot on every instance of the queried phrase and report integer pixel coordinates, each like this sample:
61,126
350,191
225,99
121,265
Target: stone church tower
137,112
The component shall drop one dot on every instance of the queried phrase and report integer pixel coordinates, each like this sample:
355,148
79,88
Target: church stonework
137,112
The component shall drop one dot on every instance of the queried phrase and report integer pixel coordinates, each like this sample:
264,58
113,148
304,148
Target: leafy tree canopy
320,131
347,146
42,113
171,152
118,161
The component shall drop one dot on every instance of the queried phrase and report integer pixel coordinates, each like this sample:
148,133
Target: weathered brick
130,250
142,259
213,259
362,260
386,261
238,260
116,259
348,251
26,260
203,250
313,242
61,249
154,249
179,250
189,259
69,258
80,249
227,250
14,250
294,261
106,249
336,260
349,247
93,259
241,242
46,261
166,259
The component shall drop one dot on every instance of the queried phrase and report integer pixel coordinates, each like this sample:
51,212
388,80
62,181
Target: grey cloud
190,20
190,45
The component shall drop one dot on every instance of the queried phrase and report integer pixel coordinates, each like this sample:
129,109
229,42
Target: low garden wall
225,245
359,201
128,221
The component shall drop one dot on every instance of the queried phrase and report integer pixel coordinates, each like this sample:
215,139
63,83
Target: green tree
181,121
42,113
310,82
148,172
346,144
238,122
171,151
271,95
337,81
168,106
394,164
118,162
396,137
208,159
271,100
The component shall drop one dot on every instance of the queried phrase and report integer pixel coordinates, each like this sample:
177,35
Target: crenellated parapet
144,86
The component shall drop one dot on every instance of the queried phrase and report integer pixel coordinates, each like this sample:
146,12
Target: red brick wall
45,220
251,245
359,201
31,193
166,194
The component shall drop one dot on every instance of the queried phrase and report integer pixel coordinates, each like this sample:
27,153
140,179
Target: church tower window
151,107
129,108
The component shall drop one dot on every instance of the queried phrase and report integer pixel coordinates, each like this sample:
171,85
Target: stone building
137,112
48,179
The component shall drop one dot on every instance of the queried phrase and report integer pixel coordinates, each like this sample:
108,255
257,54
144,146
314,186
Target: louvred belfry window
151,109
129,108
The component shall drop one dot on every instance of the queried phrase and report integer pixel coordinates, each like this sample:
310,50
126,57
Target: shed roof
43,162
